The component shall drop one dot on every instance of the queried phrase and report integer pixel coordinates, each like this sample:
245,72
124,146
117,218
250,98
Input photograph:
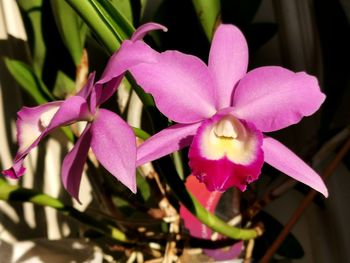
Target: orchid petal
145,28
228,61
283,159
180,84
60,114
71,110
114,144
109,89
166,141
224,254
29,123
273,97
35,123
73,163
86,90
16,171
129,54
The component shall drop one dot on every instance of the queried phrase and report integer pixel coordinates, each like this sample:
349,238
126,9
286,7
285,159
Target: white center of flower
228,137
46,117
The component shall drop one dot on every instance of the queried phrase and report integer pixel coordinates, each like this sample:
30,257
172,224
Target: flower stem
19,194
207,218
141,133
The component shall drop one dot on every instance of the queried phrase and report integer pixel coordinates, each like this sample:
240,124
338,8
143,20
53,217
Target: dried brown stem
305,203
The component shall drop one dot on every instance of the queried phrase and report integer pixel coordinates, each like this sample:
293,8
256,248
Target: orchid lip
225,152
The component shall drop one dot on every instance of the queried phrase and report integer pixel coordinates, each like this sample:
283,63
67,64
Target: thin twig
249,251
305,203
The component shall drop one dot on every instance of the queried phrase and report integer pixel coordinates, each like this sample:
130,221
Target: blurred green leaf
32,15
290,248
19,194
124,7
107,23
71,28
208,13
64,85
28,80
94,19
119,24
110,27
143,187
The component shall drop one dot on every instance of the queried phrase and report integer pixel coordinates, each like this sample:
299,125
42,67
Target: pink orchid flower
110,138
222,111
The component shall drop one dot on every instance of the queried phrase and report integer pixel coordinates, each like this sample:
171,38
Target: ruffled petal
114,144
145,29
283,159
73,163
181,85
226,152
165,142
273,97
228,61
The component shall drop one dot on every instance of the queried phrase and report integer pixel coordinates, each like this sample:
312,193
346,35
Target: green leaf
143,187
64,85
28,80
19,194
95,20
32,17
109,25
177,159
120,25
208,13
71,28
124,7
